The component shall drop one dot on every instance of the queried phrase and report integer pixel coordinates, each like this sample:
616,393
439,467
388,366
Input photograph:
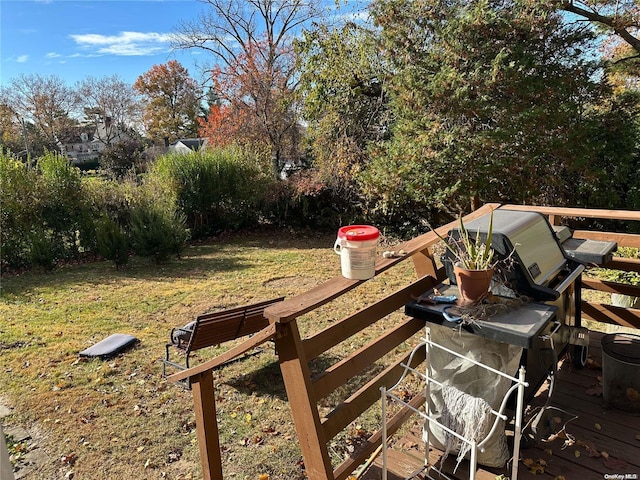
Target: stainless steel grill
546,269
543,271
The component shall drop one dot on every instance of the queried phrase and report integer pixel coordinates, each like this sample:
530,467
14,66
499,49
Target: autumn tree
11,135
253,65
110,102
171,101
219,127
47,103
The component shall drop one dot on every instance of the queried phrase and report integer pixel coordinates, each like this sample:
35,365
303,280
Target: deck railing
592,310
305,391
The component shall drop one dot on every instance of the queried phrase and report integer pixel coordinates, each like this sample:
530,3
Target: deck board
595,429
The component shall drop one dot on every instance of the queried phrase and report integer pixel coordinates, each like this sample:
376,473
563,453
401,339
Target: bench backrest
219,327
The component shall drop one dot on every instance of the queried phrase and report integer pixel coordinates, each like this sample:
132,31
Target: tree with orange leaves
172,101
253,71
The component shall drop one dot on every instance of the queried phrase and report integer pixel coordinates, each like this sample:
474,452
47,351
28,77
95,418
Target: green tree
64,214
342,86
217,189
172,101
489,99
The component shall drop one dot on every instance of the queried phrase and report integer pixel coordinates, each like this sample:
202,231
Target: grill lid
538,257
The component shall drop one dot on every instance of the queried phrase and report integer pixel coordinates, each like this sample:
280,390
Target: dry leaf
535,466
615,464
632,394
263,476
594,391
69,459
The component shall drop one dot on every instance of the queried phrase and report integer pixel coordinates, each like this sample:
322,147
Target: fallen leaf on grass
69,459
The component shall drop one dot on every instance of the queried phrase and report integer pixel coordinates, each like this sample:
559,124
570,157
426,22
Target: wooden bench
215,328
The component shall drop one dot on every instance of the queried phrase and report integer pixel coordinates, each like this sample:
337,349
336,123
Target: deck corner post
424,263
303,404
206,424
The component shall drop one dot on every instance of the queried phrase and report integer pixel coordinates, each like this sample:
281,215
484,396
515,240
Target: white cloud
22,59
125,43
52,55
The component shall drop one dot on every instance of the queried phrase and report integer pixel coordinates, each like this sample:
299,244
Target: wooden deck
599,442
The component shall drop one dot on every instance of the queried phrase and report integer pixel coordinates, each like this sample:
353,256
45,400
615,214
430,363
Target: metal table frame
519,384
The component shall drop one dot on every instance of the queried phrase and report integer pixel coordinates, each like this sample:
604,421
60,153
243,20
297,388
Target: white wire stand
518,384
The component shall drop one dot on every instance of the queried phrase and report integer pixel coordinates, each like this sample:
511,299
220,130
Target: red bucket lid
358,233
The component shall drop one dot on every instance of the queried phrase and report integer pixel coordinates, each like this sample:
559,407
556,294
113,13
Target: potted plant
473,260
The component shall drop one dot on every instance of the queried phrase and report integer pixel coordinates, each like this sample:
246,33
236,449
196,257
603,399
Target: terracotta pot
473,284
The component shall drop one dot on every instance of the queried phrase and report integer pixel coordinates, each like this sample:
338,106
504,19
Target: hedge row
54,213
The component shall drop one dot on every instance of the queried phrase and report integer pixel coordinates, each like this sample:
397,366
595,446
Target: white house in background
183,146
86,143
187,145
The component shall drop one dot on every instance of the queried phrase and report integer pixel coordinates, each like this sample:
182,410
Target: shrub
122,158
215,189
64,210
112,241
19,212
302,200
43,251
156,231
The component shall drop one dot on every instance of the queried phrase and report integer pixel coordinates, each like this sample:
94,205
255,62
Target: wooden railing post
207,427
424,263
306,419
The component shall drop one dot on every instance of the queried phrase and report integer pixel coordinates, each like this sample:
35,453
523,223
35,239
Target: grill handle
570,279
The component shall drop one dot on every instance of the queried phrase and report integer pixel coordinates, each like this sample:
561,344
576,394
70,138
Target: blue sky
74,39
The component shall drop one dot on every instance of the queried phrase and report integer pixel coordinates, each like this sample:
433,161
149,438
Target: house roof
191,143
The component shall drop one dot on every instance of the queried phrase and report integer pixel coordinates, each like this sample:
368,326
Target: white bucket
356,245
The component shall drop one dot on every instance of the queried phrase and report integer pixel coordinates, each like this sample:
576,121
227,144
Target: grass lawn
119,418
